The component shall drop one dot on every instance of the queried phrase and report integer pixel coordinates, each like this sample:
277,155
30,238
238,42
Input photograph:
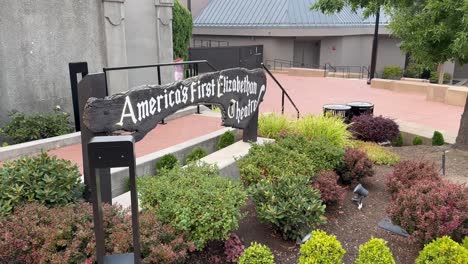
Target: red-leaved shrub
355,166
406,173
430,209
376,129
37,234
330,192
233,248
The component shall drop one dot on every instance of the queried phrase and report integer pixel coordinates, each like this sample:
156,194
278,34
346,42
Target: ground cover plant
257,254
226,139
327,128
443,250
64,234
321,248
392,72
196,154
355,166
271,161
23,128
378,154
181,197
42,178
289,204
437,139
407,173
274,125
331,193
233,248
374,128
168,162
398,142
375,251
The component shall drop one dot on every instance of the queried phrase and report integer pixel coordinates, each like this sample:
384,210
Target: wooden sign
238,92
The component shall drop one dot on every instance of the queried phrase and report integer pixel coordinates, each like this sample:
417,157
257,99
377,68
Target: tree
435,31
182,25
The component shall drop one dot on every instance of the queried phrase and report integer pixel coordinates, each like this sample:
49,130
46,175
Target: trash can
361,108
340,110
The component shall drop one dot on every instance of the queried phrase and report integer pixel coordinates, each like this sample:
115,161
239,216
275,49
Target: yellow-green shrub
443,250
274,125
329,128
375,251
378,154
257,254
321,248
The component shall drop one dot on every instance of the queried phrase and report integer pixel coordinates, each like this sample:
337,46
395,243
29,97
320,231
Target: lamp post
375,45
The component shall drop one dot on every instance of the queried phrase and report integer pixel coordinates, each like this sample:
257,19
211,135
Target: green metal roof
277,14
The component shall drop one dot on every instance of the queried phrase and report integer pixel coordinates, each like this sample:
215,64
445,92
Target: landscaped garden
299,186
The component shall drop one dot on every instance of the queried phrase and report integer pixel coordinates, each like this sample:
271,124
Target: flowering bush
233,248
330,192
375,251
406,173
376,129
356,165
37,234
257,254
431,209
321,248
443,250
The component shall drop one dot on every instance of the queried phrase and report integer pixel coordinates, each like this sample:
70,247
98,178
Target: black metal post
163,122
74,69
375,46
282,103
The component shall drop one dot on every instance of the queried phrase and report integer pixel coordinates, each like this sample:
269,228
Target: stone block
456,95
381,84
436,92
303,72
409,87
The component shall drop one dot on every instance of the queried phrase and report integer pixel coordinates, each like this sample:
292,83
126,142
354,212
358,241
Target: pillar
164,38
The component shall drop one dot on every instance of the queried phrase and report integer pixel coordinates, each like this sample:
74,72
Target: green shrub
22,128
226,139
443,250
321,248
290,204
271,161
196,154
435,77
274,125
417,140
182,26
194,200
465,242
392,72
414,70
167,162
322,154
398,142
5,144
257,254
378,154
375,251
327,128
438,139
47,180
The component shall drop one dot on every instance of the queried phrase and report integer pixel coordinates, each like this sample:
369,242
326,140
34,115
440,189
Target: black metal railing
208,43
279,64
283,94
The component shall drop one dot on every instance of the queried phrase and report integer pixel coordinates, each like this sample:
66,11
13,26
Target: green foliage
438,139
271,161
167,162
375,251
274,125
321,249
414,70
22,128
290,204
417,140
194,200
322,154
435,77
328,128
378,154
47,180
257,254
398,142
226,139
392,72
465,243
433,31
195,155
182,26
443,250
5,144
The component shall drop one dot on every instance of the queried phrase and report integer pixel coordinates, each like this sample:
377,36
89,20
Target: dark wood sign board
238,92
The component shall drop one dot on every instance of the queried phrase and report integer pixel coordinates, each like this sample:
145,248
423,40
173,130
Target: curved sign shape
238,92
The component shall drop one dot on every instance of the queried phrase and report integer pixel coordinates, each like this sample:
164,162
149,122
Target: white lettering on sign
197,91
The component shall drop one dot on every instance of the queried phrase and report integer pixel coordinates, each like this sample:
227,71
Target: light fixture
360,192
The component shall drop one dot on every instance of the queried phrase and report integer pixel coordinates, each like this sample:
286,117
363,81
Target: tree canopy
369,7
182,25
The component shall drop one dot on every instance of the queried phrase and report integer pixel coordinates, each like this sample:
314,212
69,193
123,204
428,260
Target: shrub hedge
321,248
406,173
375,129
417,140
443,250
356,166
196,154
392,72
438,139
226,139
194,200
167,162
375,251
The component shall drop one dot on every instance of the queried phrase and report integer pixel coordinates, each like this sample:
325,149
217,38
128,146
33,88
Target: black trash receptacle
340,110
361,108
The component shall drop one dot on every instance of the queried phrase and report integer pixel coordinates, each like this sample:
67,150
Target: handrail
283,93
290,64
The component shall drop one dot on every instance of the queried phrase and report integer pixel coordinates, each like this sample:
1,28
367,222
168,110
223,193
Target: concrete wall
38,38
460,71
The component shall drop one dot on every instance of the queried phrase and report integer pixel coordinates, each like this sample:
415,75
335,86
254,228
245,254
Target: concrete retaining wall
306,72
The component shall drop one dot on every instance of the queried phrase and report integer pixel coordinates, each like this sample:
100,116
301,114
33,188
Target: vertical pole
163,122
375,46
135,210
250,132
75,68
98,218
282,103
443,162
